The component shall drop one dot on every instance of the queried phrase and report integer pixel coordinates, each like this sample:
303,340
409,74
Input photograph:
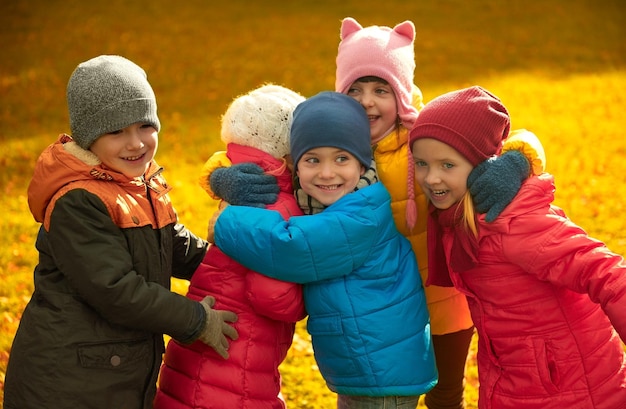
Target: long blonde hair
468,217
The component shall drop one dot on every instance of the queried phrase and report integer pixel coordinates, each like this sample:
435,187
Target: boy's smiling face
328,173
128,150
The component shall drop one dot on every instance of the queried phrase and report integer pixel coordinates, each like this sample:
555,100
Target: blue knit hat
331,119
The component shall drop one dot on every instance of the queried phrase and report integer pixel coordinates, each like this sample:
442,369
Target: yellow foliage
560,68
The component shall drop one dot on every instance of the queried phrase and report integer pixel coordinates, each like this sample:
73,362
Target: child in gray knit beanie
109,243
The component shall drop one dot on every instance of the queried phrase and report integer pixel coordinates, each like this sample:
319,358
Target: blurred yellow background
559,66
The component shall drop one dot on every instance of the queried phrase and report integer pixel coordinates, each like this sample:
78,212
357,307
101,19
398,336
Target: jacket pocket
333,354
113,355
546,365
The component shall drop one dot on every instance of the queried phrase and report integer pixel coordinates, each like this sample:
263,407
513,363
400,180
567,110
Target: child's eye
311,160
342,158
117,132
448,165
420,163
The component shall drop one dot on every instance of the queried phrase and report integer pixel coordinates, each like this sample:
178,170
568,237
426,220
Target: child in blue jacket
368,320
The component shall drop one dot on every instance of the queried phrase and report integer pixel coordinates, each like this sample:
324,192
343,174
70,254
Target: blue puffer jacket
367,312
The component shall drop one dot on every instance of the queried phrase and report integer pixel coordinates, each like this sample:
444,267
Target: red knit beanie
472,120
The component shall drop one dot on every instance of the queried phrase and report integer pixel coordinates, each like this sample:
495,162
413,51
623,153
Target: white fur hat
261,119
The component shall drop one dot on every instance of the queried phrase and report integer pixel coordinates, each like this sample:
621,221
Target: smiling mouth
328,187
133,158
438,193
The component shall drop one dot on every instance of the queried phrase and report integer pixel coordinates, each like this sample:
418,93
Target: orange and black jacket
92,333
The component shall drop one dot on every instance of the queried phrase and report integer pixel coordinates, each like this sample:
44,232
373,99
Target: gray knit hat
106,94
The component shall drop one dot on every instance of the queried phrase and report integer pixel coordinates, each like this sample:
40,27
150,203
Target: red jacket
549,305
195,376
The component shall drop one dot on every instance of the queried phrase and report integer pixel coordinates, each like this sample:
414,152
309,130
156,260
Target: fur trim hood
64,162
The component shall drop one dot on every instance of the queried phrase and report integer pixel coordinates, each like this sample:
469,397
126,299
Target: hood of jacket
64,162
271,165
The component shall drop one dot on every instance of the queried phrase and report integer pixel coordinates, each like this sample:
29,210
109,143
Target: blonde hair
468,219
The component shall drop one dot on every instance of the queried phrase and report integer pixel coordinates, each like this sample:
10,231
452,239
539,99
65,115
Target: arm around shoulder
302,249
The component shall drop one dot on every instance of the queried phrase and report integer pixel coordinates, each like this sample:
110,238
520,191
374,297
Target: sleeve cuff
217,160
529,145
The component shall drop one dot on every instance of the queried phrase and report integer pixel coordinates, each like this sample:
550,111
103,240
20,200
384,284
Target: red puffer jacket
195,376
548,303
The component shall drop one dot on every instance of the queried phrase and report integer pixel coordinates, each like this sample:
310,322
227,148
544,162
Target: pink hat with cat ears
381,52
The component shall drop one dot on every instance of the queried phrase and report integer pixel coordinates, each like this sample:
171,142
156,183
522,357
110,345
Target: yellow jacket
447,307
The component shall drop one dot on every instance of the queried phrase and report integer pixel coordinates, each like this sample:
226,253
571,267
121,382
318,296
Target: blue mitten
494,183
244,184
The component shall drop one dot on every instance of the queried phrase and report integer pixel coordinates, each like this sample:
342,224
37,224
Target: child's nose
367,99
134,139
432,177
327,171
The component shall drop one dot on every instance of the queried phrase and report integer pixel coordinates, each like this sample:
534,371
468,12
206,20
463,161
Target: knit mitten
244,184
216,329
494,183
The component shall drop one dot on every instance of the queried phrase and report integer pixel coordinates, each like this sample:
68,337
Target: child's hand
494,183
244,184
216,329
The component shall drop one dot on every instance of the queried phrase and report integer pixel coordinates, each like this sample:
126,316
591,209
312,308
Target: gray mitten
216,329
244,184
495,182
